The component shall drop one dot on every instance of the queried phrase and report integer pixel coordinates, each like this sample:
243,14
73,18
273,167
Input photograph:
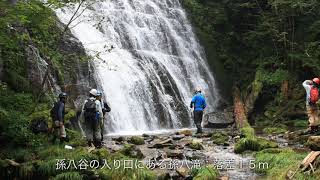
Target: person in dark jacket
198,103
58,113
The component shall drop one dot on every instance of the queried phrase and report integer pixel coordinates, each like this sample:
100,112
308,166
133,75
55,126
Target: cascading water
147,60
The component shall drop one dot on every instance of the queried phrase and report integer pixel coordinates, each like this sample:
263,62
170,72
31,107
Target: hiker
198,103
105,109
312,97
92,115
57,114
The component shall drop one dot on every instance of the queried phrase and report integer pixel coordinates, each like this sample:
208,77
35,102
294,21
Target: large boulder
178,137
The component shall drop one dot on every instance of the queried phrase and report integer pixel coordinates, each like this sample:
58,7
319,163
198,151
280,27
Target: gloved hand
97,116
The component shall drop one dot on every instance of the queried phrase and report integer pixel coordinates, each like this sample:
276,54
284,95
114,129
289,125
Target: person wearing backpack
57,114
198,103
312,97
105,109
92,115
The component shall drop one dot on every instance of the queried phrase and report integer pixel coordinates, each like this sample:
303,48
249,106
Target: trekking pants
101,124
92,130
197,117
313,114
59,131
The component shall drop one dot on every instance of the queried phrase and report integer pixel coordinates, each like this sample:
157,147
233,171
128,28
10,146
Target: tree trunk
239,109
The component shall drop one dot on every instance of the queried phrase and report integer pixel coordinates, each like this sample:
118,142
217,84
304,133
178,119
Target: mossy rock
205,173
132,151
274,130
137,140
196,145
247,132
314,143
253,144
219,138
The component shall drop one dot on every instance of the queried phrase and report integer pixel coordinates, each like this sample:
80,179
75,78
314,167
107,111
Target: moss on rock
252,143
196,145
137,140
219,138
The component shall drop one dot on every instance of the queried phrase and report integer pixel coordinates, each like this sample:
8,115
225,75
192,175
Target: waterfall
147,61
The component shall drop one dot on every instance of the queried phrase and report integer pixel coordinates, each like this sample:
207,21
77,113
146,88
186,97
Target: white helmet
94,92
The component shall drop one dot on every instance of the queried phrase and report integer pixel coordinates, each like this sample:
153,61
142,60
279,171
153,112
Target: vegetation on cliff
271,42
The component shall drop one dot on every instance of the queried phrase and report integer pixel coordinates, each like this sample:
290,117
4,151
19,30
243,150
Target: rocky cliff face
37,56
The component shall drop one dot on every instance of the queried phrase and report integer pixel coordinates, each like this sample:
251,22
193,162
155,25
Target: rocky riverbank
175,154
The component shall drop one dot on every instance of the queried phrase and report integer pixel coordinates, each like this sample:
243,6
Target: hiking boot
97,144
53,140
199,131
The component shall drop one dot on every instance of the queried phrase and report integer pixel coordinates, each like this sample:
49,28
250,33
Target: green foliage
301,123
76,138
26,171
219,138
272,78
205,173
280,161
70,114
261,43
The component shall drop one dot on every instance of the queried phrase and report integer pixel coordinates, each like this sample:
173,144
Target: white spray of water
147,60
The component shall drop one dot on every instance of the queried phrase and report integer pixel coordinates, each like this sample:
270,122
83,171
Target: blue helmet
99,93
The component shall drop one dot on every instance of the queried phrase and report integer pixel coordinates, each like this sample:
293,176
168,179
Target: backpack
54,111
90,110
314,95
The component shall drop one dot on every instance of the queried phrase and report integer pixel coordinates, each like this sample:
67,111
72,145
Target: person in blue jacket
198,103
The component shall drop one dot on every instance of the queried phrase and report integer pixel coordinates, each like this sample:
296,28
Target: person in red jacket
312,96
